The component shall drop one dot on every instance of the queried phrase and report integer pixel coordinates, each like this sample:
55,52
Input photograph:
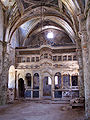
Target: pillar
86,65
40,86
80,62
87,85
80,76
1,62
31,85
52,87
15,93
4,76
62,81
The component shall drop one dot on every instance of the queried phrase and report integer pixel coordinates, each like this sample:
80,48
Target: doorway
47,87
21,87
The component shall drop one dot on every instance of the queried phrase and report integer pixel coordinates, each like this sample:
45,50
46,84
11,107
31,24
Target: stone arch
60,21
46,72
77,5
26,17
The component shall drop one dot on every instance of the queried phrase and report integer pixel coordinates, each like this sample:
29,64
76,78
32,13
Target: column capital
83,35
82,23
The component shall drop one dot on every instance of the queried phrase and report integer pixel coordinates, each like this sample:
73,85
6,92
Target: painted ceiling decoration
59,38
28,15
36,14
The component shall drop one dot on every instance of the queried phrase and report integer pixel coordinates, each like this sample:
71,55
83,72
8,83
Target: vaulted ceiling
35,18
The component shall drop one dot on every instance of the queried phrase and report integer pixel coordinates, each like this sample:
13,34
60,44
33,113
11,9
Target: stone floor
40,111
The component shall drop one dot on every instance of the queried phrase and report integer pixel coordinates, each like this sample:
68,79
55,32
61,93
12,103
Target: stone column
40,86
15,94
1,54
86,76
80,76
32,85
53,87
62,81
80,62
87,84
86,57
1,62
4,77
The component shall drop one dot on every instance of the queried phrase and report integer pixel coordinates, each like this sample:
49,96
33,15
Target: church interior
45,53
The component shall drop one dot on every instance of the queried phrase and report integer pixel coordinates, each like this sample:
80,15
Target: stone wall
7,58
1,49
3,73
84,32
10,95
87,84
1,57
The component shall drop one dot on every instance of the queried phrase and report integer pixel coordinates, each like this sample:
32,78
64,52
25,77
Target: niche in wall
36,81
28,79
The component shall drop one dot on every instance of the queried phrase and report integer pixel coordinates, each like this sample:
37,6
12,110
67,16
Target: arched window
28,59
59,58
18,59
54,58
57,80
28,79
11,78
74,58
37,59
23,59
36,81
45,55
33,59
64,58
69,57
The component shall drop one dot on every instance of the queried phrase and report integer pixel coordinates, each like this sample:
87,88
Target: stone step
46,101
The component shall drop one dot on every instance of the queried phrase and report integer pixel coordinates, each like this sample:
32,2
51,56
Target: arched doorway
21,87
47,82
